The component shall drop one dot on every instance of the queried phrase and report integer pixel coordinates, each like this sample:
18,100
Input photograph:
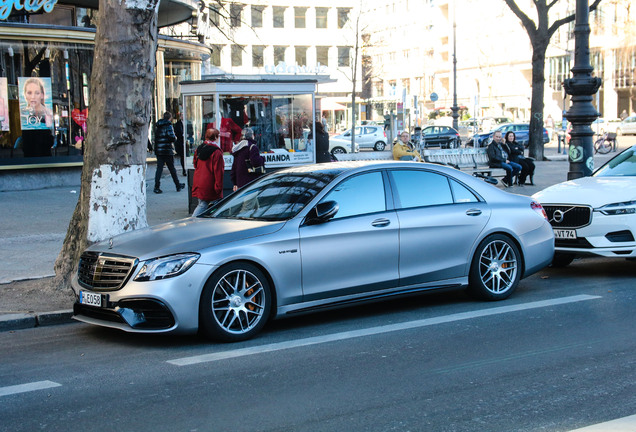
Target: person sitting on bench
404,150
498,158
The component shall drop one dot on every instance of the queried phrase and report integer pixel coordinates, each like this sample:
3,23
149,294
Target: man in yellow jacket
403,149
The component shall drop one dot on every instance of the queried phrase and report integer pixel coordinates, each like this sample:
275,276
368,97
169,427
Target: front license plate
90,299
565,234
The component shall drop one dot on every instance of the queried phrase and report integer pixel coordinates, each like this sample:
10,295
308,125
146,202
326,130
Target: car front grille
103,272
565,216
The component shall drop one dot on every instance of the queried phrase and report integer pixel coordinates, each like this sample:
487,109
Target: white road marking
23,388
224,355
625,424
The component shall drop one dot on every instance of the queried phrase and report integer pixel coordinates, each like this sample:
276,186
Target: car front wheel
379,146
235,303
338,150
495,270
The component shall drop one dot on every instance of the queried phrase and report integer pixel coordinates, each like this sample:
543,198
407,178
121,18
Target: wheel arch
513,239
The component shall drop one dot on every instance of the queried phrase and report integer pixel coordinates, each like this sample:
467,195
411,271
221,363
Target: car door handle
380,222
473,212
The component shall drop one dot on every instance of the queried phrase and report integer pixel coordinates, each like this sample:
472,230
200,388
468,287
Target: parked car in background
602,125
437,136
627,126
521,130
307,238
366,137
595,216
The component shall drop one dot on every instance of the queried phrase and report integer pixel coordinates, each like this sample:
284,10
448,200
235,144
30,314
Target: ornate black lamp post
455,108
581,87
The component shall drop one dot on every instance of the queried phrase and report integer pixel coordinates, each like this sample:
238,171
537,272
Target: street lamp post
581,87
455,108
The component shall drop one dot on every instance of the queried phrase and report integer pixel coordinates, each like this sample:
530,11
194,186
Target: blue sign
434,97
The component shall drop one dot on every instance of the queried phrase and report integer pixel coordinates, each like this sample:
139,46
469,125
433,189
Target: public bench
471,160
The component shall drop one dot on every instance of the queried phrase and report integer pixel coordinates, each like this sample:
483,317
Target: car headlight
165,267
622,208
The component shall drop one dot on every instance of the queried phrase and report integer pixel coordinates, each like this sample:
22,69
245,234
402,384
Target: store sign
284,68
80,117
8,6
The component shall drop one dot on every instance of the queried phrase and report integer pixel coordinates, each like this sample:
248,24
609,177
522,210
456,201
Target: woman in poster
36,115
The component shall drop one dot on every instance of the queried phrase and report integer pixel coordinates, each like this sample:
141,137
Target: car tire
235,303
562,260
495,270
379,146
338,150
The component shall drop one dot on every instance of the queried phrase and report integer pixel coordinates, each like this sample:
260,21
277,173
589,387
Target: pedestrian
164,151
549,125
624,114
207,182
517,155
498,158
321,138
404,150
178,131
248,163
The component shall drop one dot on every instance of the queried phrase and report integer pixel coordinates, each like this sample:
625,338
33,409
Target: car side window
362,194
461,193
358,131
369,130
421,188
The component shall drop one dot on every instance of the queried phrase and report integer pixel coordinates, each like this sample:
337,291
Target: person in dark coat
322,144
209,167
244,151
517,155
164,151
498,158
178,131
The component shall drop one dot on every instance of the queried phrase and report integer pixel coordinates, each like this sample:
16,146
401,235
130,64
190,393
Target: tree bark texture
112,198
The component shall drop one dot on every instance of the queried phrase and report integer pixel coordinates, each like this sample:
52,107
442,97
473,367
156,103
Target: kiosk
280,109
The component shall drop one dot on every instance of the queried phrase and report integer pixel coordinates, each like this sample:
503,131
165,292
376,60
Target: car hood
184,235
593,191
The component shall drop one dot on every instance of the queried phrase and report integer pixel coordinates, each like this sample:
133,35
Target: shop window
279,16
279,54
343,57
301,55
257,55
257,16
321,17
299,17
237,55
322,55
343,17
236,12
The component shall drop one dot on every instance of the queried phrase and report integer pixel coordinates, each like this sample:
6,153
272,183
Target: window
343,56
279,54
279,16
301,55
321,17
379,88
299,17
237,55
257,55
461,193
257,16
432,188
236,10
215,58
215,17
359,195
322,55
343,17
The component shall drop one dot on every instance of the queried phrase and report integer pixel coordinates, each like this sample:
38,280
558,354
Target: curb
21,321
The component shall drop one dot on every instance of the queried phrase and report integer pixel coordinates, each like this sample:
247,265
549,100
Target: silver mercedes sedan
311,237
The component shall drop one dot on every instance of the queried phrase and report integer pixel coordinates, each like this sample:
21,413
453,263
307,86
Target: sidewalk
34,224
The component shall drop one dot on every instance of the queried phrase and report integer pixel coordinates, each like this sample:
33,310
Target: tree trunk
112,198
536,102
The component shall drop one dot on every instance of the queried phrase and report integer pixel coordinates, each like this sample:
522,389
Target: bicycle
606,143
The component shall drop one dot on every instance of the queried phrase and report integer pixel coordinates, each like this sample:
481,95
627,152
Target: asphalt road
560,354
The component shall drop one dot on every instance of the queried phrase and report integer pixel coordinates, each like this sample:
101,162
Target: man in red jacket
207,183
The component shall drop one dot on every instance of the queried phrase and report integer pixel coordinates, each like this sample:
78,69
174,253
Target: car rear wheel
235,303
338,150
562,260
379,146
495,270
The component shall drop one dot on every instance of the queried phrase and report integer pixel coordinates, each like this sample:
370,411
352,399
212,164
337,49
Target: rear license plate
565,234
90,299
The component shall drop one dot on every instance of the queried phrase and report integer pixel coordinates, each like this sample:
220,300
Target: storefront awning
327,105
171,12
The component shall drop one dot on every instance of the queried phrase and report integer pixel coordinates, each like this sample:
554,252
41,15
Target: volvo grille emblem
557,216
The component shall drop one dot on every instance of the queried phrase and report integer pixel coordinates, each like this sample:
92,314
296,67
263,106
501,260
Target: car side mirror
322,213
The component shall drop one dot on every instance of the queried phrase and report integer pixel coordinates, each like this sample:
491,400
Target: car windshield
275,197
622,165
